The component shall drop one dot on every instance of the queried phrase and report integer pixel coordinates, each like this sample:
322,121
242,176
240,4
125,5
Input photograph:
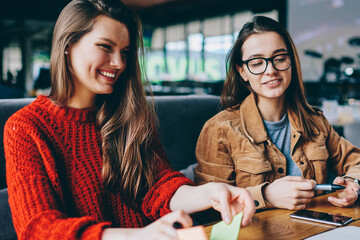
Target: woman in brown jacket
269,139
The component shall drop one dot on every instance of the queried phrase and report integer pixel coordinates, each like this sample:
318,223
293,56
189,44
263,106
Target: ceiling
25,19
153,12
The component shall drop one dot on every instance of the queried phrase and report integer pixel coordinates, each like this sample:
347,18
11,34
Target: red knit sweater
53,168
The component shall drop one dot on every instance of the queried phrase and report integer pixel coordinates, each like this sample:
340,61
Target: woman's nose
117,61
270,67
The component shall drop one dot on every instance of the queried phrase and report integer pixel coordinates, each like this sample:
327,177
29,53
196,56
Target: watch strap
357,181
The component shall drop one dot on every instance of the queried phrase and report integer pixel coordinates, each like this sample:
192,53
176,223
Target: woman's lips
107,74
273,83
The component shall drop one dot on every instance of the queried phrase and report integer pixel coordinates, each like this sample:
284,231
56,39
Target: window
216,49
196,50
196,70
12,62
176,61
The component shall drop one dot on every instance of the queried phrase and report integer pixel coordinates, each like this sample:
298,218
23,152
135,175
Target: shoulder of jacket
224,116
225,122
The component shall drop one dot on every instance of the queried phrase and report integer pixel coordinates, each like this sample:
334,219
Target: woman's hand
227,199
348,196
230,200
162,229
290,192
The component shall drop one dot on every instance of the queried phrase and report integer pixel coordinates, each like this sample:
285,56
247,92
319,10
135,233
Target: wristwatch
357,181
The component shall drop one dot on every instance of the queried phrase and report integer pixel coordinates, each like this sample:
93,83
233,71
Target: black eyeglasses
259,65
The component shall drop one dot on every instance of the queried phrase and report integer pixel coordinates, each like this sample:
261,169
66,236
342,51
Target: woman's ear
242,73
67,50
67,55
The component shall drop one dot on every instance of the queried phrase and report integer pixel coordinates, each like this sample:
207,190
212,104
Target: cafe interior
186,44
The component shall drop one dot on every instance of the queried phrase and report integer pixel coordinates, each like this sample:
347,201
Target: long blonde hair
235,89
124,117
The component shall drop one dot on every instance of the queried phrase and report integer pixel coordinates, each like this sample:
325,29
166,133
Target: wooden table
277,224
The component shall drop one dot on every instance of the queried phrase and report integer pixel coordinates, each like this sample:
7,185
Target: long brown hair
124,117
235,89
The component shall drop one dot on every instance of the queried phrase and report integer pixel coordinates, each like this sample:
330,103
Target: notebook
348,233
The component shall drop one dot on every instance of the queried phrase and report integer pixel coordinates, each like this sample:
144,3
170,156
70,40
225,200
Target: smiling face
97,59
272,84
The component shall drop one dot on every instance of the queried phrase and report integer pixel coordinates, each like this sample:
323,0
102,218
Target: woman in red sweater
85,162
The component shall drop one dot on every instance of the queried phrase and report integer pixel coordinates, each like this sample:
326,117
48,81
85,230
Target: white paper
348,233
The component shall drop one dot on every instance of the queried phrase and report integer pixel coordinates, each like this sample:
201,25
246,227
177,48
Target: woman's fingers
230,200
348,196
161,228
304,194
339,202
299,207
343,202
301,201
225,210
305,185
248,209
339,181
179,216
164,228
241,201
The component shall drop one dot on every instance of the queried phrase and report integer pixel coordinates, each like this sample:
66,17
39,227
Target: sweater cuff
157,201
257,194
95,231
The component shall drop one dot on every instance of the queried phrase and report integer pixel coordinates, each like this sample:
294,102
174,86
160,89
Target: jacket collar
252,122
294,121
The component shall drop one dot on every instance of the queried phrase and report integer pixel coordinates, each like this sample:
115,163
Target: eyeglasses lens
259,65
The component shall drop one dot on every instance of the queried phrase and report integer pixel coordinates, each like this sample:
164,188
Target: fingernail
227,220
177,225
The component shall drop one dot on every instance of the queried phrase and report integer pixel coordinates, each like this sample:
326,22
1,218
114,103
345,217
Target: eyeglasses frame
267,60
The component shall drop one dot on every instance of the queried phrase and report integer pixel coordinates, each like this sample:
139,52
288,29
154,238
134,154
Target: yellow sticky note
192,233
222,231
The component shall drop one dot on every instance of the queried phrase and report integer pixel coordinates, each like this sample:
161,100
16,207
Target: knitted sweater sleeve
36,209
167,181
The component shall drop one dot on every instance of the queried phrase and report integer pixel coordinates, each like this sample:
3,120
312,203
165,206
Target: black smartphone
321,217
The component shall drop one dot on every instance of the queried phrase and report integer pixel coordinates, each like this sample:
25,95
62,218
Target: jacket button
294,136
280,170
256,202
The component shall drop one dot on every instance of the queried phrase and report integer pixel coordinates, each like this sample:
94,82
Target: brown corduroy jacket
233,147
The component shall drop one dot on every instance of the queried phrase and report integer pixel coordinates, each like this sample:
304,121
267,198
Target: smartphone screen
321,217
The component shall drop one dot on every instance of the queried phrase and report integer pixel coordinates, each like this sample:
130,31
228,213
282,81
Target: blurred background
187,42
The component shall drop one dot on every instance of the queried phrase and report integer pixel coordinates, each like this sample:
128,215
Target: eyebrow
108,40
280,50
113,43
